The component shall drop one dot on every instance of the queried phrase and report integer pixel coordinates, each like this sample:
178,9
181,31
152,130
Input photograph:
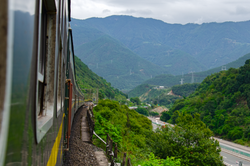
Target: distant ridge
211,44
170,80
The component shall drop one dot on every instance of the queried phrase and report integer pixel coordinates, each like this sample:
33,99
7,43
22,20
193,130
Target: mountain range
163,48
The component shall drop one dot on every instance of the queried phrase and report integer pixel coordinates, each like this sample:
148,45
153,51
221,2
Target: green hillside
117,64
223,101
87,79
139,90
167,80
184,89
133,134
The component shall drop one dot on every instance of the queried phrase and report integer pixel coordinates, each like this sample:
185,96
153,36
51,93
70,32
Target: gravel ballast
80,153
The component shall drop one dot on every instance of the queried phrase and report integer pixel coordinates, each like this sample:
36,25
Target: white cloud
171,11
106,11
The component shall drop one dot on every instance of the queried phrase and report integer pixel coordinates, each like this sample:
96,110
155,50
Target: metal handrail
99,138
110,152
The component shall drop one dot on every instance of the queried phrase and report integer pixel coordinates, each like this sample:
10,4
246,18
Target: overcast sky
170,11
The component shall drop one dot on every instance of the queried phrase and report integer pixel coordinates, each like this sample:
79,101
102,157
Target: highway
231,160
232,153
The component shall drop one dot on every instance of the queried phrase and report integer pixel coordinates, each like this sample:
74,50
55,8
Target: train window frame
45,91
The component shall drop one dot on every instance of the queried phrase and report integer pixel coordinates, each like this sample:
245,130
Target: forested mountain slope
116,63
86,79
172,147
223,101
211,44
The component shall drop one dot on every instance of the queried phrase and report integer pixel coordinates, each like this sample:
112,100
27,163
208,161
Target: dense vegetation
223,101
135,100
164,147
149,94
139,90
142,111
87,79
185,89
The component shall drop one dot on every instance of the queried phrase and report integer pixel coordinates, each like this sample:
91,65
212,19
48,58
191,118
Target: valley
192,75
128,51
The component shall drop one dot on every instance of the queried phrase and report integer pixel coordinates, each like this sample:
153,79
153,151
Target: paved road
230,159
232,153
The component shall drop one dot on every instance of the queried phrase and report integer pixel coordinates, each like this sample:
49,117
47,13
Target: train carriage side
33,67
71,91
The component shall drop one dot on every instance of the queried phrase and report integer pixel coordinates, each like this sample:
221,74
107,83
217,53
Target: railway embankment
82,152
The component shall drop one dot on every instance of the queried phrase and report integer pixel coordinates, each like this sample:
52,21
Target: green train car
38,89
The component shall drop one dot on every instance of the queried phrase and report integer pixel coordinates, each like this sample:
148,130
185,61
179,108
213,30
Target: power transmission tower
192,80
223,68
182,81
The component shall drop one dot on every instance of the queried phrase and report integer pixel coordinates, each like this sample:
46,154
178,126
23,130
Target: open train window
46,31
41,62
60,83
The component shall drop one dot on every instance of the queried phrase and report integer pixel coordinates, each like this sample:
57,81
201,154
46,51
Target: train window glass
3,48
59,13
41,60
59,84
4,77
65,27
40,99
63,84
43,41
61,17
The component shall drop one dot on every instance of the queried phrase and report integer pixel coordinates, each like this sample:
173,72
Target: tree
165,116
153,113
189,140
142,111
153,161
135,100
